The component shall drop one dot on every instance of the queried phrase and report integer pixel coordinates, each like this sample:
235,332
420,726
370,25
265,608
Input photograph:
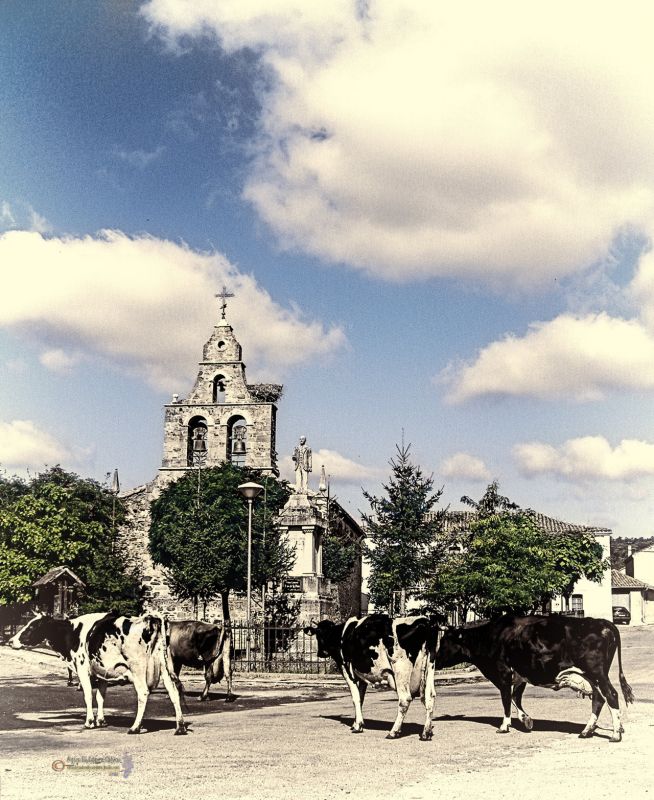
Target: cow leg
173,693
100,695
70,681
142,692
208,676
85,682
597,705
227,656
403,703
611,697
505,693
428,697
357,692
519,686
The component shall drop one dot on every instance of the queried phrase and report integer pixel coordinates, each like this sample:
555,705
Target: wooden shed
57,591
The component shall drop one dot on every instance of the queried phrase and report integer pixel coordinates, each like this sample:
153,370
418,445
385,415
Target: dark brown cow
203,646
556,652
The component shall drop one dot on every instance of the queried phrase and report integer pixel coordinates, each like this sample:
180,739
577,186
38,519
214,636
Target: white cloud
143,304
418,139
338,468
587,458
465,466
7,218
567,357
23,445
140,158
58,360
23,216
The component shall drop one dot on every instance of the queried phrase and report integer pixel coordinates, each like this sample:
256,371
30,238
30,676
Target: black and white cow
106,649
556,652
203,646
379,650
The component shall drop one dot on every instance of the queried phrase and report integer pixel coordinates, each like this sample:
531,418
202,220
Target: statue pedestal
304,523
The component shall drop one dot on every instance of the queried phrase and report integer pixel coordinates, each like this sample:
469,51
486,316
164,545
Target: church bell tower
223,418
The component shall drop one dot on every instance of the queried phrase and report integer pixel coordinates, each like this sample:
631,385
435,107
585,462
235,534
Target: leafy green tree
60,518
505,563
339,549
200,537
491,502
403,532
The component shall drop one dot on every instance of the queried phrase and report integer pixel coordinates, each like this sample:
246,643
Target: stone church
225,418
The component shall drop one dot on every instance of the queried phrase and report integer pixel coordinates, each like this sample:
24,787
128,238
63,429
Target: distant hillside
619,548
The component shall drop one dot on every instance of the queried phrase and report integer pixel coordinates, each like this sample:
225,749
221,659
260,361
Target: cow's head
451,648
33,633
328,637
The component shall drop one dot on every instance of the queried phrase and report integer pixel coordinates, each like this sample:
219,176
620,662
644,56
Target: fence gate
277,649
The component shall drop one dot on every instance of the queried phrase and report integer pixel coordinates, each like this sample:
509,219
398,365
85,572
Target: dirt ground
286,739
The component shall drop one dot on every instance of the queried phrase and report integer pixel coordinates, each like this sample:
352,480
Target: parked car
621,615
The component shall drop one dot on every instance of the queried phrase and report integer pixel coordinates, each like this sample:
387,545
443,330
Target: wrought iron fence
277,649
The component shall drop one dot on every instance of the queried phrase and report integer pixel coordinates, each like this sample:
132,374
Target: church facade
222,419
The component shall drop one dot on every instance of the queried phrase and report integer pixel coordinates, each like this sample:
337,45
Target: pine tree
402,531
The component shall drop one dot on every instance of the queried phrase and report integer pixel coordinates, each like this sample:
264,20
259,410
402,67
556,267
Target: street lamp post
249,491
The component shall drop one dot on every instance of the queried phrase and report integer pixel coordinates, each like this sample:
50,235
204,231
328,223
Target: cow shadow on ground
149,725
408,728
72,720
211,697
553,725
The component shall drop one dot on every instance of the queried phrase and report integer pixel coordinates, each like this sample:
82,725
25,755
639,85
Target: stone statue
302,458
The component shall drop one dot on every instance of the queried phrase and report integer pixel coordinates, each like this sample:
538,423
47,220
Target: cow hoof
230,698
585,734
180,731
89,725
500,730
617,738
133,730
528,723
392,735
101,723
203,697
356,730
426,737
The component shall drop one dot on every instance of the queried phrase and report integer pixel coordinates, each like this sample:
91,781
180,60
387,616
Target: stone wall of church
260,445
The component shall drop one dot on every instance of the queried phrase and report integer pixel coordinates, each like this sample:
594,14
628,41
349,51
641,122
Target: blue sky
436,226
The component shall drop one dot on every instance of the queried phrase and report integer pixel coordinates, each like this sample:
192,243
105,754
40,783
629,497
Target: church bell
238,447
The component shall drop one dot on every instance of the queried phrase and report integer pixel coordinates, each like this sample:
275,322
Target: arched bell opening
196,452
237,441
219,388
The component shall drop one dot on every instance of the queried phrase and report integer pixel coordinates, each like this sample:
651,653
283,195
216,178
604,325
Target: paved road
281,741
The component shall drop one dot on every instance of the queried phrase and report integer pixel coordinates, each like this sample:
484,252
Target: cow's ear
309,631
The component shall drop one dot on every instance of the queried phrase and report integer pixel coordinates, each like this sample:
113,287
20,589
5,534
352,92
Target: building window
237,439
578,605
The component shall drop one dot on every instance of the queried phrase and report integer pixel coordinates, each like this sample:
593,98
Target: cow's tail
161,646
627,691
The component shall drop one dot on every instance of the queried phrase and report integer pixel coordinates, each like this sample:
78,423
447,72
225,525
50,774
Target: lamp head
250,490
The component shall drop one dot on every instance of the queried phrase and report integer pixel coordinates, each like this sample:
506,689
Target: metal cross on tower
224,294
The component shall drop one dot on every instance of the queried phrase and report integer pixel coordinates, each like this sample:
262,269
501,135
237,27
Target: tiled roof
460,520
621,581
